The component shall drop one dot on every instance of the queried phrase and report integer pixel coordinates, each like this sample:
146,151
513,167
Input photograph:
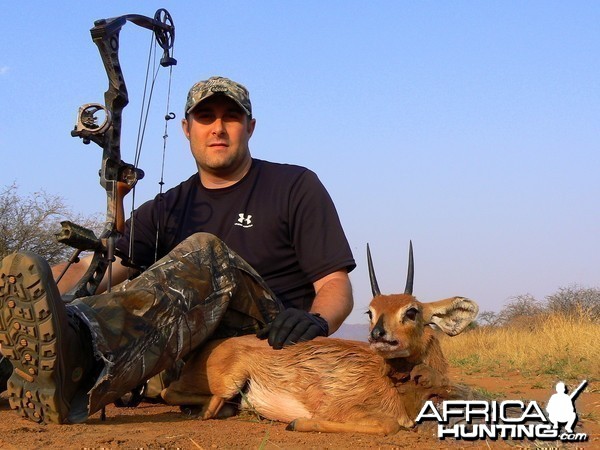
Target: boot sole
31,317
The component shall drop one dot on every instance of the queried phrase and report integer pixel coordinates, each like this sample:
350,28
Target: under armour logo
244,221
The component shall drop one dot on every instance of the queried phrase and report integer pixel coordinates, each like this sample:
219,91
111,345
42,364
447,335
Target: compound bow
101,124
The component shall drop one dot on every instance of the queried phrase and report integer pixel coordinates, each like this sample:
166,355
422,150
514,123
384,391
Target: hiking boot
49,348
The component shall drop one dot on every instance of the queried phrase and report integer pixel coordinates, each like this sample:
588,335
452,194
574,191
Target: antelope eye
370,314
411,313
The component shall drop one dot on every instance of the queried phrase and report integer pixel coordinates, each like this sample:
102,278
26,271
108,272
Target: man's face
219,131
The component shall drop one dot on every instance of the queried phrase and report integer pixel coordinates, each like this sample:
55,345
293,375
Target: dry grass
567,346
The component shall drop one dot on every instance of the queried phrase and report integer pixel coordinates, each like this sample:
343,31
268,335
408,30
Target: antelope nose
377,332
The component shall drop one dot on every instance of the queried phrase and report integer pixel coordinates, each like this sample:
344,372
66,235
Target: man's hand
292,326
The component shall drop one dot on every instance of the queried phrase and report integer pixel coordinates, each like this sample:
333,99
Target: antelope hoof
426,377
292,425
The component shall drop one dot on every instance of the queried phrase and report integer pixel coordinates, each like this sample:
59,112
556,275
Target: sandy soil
154,426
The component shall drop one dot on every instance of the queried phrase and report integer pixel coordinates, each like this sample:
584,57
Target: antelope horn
374,286
411,271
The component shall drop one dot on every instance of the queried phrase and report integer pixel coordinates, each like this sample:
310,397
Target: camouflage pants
201,289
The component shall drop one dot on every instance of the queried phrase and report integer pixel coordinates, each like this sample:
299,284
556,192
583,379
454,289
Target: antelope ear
452,315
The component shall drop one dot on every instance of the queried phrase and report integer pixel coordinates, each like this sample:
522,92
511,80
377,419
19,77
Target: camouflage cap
218,85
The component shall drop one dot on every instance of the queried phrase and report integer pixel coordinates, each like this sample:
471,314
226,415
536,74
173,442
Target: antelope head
399,323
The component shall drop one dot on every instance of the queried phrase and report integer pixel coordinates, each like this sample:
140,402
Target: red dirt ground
153,426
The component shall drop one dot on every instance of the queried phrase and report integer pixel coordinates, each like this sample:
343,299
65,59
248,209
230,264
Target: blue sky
471,128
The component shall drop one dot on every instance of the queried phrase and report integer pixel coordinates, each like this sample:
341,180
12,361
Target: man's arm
119,274
334,299
331,306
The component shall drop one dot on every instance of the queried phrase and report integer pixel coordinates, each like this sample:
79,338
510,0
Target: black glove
292,326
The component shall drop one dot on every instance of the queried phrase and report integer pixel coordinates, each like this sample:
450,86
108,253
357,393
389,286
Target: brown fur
332,384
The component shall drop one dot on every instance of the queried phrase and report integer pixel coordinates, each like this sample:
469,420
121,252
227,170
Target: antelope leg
381,426
173,397
213,407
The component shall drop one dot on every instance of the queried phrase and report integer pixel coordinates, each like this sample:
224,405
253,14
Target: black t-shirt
279,218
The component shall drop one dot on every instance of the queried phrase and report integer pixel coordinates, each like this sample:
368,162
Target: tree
31,222
575,300
488,318
521,307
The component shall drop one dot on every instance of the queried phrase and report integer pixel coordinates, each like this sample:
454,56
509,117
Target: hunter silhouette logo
561,406
244,221
508,419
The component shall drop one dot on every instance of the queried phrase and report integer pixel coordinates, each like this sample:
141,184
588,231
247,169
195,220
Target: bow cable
144,113
168,116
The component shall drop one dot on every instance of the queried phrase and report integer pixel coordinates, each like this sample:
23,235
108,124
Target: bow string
101,124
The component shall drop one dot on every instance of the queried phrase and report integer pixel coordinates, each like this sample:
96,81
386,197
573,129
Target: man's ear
251,126
185,128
